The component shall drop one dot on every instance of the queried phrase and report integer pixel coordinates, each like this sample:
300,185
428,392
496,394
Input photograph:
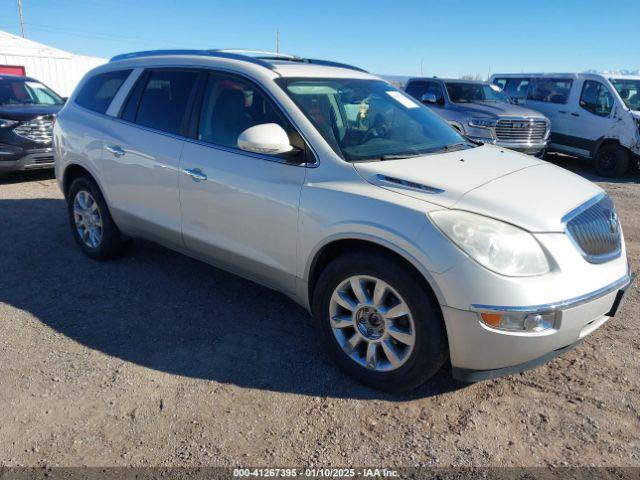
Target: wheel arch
73,171
602,141
336,247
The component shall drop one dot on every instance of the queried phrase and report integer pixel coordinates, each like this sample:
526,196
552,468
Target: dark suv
27,110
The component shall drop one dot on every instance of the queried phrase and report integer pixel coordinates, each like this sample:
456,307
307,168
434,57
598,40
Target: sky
446,37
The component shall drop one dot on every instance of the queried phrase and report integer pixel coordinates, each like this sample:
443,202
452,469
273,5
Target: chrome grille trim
526,130
38,130
594,229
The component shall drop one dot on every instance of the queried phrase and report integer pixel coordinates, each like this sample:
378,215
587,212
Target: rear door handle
575,114
117,150
196,174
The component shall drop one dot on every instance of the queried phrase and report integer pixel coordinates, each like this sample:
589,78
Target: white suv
593,116
409,243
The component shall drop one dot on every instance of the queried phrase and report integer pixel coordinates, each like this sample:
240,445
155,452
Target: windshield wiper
452,148
400,156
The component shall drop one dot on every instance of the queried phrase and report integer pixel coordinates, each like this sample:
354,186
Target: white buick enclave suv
409,243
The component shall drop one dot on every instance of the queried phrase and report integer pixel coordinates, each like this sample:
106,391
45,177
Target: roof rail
285,57
329,63
259,53
204,53
258,57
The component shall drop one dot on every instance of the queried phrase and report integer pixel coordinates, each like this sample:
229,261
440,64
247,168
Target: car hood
27,112
497,109
488,180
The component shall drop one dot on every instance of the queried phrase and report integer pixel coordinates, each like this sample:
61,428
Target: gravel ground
156,359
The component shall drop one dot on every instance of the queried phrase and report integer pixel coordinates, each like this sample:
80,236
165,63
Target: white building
58,69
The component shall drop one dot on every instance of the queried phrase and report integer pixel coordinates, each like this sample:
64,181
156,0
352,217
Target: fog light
525,322
536,323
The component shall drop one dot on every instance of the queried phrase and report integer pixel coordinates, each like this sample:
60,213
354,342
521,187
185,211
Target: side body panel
142,184
78,140
244,215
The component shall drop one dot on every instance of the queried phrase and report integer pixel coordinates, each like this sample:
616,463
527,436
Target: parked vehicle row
593,116
482,111
408,242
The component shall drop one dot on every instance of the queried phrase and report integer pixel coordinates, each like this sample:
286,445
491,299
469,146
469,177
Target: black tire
112,242
430,350
612,160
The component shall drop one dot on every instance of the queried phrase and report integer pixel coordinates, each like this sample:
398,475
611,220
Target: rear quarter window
98,92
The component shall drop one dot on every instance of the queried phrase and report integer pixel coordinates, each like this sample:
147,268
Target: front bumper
14,158
528,148
481,352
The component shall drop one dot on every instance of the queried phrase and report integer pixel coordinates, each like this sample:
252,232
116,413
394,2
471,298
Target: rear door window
550,90
98,91
596,98
163,101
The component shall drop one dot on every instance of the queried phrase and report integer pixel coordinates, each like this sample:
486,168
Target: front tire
378,321
91,224
612,160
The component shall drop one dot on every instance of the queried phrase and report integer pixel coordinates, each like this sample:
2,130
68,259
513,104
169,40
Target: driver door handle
196,174
117,150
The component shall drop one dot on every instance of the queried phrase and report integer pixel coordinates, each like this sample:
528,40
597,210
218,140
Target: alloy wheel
87,218
372,323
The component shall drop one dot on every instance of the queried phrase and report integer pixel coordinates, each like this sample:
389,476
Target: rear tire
612,160
415,345
92,227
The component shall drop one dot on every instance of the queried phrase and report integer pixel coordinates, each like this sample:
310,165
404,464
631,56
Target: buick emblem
614,224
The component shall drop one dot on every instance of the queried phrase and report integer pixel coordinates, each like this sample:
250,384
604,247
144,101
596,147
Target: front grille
39,160
521,131
595,230
38,130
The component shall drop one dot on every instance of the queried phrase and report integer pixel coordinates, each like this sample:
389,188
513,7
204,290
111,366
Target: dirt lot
156,359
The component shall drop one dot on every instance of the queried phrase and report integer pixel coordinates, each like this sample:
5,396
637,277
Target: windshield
370,119
475,92
21,91
628,91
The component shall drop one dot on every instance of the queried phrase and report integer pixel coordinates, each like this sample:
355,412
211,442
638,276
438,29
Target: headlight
4,123
496,245
482,122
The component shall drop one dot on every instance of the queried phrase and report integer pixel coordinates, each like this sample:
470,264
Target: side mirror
266,138
429,98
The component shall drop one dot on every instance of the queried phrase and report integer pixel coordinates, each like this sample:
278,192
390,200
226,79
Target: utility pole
421,64
277,40
21,17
